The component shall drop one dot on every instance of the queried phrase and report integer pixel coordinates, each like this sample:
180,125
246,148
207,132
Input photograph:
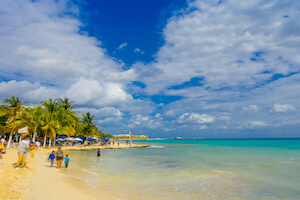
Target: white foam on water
156,146
89,182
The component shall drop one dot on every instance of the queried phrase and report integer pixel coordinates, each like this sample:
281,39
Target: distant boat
178,138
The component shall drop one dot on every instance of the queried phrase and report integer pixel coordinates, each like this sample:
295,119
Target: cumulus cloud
44,46
146,121
250,108
195,118
92,92
252,125
231,45
283,108
33,91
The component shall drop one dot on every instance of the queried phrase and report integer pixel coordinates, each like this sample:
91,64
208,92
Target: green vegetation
50,119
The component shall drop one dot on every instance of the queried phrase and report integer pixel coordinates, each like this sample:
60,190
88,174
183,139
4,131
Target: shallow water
195,169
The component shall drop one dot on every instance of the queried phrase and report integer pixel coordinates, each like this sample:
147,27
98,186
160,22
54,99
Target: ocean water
195,169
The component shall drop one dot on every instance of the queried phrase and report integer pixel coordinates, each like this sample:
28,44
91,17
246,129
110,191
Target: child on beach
51,158
32,150
67,160
2,149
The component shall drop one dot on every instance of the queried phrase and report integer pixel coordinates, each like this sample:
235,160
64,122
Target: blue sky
130,31
199,69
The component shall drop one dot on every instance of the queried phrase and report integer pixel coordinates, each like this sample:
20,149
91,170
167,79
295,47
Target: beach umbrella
69,139
77,139
91,139
60,139
105,139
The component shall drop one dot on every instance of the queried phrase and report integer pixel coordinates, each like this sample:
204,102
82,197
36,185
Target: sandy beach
41,182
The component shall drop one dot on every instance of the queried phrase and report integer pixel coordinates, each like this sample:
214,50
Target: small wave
156,146
89,172
89,182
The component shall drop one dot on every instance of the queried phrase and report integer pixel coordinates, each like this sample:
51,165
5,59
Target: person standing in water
67,160
51,158
98,153
59,157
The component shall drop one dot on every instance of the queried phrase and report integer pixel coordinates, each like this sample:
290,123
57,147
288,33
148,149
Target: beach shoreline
41,182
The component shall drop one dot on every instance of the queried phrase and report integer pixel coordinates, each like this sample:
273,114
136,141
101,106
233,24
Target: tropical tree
49,120
32,118
3,119
88,125
14,109
66,104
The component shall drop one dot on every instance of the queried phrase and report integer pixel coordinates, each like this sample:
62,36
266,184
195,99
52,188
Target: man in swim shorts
59,157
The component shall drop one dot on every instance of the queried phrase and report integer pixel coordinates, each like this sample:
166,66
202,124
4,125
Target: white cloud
252,125
33,91
203,127
195,118
231,45
148,122
258,123
45,45
123,45
225,118
170,113
136,50
251,108
93,92
283,108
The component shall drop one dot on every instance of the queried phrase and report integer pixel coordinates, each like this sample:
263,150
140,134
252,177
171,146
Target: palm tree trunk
45,138
49,142
9,141
54,141
11,133
33,137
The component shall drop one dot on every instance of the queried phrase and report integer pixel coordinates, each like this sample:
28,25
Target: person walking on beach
23,146
98,153
33,146
2,149
51,158
67,160
59,157
3,141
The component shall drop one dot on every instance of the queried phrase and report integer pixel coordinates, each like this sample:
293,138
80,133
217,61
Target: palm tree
14,110
88,125
49,119
66,104
32,118
3,119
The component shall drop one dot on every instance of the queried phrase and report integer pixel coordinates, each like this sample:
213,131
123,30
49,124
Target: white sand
40,182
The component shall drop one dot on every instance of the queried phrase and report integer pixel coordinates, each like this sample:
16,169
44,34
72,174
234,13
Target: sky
195,68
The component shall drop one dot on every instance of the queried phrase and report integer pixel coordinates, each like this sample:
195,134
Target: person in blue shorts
67,160
51,158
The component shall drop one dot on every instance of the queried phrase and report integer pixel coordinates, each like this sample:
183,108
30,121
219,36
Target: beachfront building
127,137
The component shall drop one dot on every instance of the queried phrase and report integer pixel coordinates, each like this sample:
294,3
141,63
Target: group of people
26,147
59,156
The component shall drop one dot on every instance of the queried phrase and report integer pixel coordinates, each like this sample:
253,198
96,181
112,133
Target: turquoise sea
195,169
